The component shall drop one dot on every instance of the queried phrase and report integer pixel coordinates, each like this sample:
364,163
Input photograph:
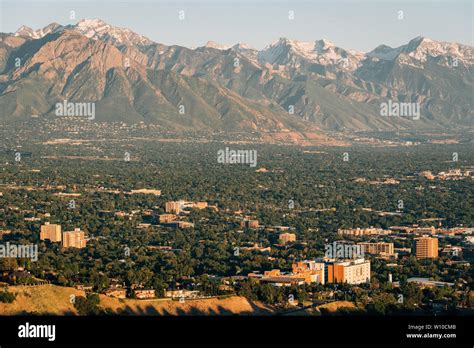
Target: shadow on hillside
35,313
193,311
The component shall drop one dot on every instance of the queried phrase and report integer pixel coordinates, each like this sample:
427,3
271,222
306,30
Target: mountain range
288,86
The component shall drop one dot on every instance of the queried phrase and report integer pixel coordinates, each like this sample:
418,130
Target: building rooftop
428,281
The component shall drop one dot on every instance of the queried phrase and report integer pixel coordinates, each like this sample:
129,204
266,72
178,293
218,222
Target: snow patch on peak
283,46
25,31
92,27
420,49
24,28
423,48
95,22
97,29
246,51
323,52
38,34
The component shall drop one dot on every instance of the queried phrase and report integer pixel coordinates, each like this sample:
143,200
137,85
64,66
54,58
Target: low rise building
165,218
425,230
146,192
379,248
451,174
428,283
362,231
177,207
182,294
144,293
310,271
303,272
455,230
281,228
402,229
275,277
116,292
249,223
179,224
285,238
452,251
283,280
84,287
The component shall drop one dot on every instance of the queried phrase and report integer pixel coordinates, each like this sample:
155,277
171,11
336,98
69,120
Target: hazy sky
361,25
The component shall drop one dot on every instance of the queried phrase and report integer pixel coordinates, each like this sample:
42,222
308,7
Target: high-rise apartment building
426,247
350,272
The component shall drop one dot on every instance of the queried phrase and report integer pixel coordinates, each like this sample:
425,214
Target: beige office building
426,247
74,239
51,232
377,248
174,207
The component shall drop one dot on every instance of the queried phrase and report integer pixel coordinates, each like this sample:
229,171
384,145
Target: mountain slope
69,66
288,86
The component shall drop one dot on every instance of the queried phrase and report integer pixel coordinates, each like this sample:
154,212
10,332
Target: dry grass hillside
328,308
334,306
56,300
